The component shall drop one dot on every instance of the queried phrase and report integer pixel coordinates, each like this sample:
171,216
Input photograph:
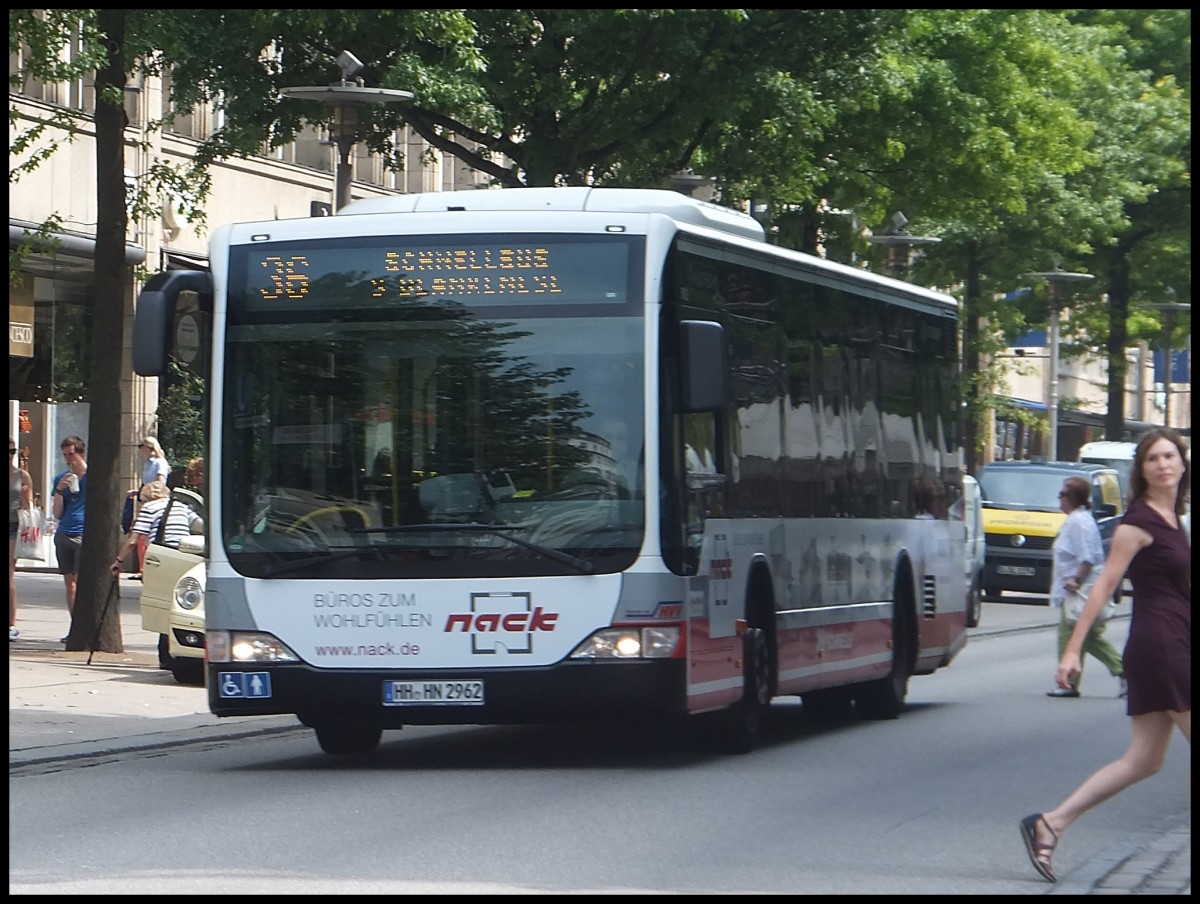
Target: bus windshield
425,407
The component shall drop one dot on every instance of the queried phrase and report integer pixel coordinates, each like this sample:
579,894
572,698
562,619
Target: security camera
350,64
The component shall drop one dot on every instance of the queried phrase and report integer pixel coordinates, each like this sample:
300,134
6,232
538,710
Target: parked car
173,596
1021,517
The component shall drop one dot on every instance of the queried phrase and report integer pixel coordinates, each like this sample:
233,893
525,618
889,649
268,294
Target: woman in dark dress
1152,545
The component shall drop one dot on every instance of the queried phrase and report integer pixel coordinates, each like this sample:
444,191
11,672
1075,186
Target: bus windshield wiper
495,530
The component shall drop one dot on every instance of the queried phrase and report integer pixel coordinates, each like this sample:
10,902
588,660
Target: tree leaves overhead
628,97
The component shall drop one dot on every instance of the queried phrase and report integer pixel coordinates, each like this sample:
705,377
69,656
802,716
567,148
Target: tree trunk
96,624
1118,337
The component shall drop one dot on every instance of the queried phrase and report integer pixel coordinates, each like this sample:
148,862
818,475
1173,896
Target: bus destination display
556,272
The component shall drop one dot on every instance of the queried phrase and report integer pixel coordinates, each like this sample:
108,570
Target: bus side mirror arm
154,317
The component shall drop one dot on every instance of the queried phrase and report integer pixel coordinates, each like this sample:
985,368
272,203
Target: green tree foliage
627,97
1024,140
529,97
1142,250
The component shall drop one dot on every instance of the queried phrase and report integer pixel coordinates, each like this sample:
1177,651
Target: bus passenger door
708,539
714,675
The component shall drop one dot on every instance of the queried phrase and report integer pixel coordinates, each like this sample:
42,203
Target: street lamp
346,97
688,183
1055,279
899,244
1169,309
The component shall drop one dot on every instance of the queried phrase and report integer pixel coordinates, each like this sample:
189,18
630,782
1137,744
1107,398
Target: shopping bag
1075,603
30,524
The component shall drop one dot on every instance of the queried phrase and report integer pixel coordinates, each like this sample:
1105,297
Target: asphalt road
925,804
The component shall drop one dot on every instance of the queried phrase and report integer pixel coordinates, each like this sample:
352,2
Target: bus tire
342,740
738,729
884,697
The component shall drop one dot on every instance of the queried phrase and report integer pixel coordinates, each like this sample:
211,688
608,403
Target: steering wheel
327,510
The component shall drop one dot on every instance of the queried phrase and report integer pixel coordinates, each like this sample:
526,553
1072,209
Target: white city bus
537,454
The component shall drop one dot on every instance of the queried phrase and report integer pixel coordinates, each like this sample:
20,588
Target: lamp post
346,97
1169,309
899,244
1054,280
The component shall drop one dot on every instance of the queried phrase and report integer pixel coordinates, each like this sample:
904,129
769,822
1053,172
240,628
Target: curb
983,632
80,657
164,740
1149,861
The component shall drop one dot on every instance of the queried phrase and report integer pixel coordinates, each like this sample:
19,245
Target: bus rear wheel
884,697
344,740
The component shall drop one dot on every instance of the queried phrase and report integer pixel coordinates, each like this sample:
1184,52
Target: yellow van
1021,517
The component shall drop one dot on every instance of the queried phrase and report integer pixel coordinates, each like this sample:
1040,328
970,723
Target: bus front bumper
563,692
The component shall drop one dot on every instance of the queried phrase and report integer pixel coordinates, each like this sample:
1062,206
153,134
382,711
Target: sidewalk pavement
61,708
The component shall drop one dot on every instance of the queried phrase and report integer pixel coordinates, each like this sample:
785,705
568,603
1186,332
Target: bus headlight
247,646
651,642
189,593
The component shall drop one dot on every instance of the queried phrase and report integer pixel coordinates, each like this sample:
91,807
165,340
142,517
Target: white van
1112,454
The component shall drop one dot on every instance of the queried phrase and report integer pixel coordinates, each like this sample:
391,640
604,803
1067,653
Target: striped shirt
180,518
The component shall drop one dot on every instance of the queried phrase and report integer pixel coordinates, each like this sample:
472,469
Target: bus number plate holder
468,692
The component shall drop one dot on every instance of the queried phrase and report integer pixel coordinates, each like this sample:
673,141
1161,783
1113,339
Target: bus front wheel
348,741
737,729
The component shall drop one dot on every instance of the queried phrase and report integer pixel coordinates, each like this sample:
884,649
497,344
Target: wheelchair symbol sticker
244,684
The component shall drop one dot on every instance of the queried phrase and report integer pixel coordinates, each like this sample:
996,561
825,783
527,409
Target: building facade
1083,398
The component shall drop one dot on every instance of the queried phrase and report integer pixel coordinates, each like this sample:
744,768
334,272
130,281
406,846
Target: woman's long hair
155,448
1137,480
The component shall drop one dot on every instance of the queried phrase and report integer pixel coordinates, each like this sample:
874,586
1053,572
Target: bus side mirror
154,317
705,373
1105,510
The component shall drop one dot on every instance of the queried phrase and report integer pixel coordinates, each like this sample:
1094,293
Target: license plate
1024,571
433,693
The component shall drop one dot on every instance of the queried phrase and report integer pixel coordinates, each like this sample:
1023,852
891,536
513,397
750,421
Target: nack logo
501,623
484,622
